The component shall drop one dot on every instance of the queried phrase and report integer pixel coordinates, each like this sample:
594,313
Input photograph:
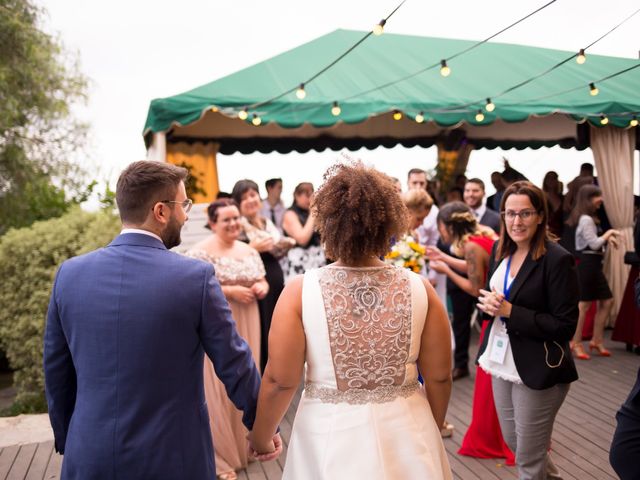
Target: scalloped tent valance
537,114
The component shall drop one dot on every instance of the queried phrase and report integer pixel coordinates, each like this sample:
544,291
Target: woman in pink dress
473,243
242,278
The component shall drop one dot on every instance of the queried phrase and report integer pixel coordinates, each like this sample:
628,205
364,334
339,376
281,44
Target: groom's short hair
144,183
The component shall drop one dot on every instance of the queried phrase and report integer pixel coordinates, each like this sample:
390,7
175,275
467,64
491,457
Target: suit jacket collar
137,240
527,267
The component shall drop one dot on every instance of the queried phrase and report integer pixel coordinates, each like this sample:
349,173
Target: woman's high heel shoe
603,352
578,351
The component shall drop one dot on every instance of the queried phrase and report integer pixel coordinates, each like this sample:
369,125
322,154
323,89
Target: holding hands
265,452
494,304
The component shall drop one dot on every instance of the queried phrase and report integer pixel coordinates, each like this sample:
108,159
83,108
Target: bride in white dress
360,330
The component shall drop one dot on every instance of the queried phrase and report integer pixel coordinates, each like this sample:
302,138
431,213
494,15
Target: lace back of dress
368,314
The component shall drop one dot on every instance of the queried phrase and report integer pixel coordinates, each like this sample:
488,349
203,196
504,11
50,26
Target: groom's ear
160,213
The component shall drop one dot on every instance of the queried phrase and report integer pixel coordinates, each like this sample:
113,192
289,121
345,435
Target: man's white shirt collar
480,211
138,230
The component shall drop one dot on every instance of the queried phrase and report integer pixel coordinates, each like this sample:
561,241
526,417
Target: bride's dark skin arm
434,358
284,367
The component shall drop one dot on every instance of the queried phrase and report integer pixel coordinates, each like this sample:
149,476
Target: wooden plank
54,467
255,472
40,461
7,456
580,441
272,470
22,462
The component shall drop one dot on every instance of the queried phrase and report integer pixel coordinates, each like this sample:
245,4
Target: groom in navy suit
127,329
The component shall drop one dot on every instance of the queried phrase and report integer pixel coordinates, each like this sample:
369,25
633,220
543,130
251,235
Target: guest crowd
379,345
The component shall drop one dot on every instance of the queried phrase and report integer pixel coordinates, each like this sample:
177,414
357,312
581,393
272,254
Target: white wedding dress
363,414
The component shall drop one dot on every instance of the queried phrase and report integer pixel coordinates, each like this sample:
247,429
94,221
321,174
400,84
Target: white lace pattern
368,314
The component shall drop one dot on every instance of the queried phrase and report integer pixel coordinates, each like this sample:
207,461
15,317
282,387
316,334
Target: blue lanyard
506,290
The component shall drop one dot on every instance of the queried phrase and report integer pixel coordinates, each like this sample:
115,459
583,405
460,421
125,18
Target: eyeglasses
186,204
524,215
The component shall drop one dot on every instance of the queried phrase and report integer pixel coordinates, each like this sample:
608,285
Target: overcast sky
134,51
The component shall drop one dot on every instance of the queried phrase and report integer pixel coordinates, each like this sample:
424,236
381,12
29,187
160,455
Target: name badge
499,348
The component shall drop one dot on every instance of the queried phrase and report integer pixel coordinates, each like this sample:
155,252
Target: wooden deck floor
581,437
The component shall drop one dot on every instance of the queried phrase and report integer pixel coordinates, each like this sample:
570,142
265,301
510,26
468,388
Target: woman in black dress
299,224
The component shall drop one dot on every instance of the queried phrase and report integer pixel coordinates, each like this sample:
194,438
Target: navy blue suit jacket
127,329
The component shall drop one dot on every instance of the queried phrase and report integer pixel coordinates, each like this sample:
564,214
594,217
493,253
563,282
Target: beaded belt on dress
359,396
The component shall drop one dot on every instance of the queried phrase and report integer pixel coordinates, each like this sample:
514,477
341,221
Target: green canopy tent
390,76
535,115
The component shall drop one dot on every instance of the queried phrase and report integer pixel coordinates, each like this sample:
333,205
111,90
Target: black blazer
543,318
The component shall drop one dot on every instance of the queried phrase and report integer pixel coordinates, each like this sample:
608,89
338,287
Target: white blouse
506,370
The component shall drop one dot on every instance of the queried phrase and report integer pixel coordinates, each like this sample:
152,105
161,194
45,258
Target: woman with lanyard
533,292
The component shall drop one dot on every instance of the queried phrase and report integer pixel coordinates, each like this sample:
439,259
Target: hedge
29,258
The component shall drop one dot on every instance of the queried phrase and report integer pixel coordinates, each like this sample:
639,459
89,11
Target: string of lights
300,89
445,70
593,91
580,59
378,30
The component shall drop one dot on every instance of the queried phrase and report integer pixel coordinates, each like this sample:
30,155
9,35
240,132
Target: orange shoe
578,351
603,352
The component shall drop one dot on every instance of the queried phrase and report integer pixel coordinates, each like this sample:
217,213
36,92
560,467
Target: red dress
484,437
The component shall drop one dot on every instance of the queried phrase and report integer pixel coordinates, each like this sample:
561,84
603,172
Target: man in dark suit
493,201
474,198
127,329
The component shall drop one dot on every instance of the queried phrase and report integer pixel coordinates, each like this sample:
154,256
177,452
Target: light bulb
300,93
581,58
633,122
419,118
490,106
479,116
397,115
256,120
335,110
593,90
445,71
243,114
603,120
379,28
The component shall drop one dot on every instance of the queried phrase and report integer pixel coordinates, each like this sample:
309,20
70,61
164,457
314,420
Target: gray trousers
526,419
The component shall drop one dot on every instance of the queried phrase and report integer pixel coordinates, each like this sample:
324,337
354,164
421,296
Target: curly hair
358,211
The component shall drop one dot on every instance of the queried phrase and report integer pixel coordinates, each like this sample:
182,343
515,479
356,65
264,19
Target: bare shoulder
293,287
291,297
473,248
428,287
244,248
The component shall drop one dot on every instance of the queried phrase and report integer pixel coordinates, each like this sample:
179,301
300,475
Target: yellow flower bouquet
407,253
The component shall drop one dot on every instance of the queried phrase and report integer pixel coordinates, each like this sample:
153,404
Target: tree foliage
38,134
29,258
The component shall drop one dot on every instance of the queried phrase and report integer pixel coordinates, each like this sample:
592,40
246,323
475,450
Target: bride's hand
265,452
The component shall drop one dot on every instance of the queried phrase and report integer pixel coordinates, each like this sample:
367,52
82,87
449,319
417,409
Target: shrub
29,258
